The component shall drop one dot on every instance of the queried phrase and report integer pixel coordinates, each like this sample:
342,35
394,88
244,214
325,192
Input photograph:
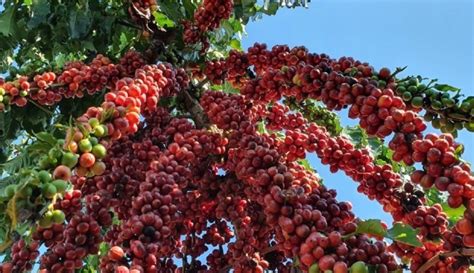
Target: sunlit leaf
371,227
446,88
162,20
404,234
235,44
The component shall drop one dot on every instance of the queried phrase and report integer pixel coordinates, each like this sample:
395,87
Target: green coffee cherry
429,116
407,96
417,102
436,105
314,268
359,267
10,190
436,124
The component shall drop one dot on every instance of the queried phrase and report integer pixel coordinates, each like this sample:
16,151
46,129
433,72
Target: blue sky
434,38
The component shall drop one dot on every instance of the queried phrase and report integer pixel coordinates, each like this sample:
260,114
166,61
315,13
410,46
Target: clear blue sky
434,38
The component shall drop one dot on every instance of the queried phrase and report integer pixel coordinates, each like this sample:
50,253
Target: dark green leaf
189,7
446,88
404,234
79,23
171,10
271,8
6,21
40,10
46,137
14,165
372,268
5,122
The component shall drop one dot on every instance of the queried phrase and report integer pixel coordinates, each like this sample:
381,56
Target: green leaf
305,163
39,13
433,196
124,41
446,88
189,6
454,214
235,44
371,227
404,234
5,122
79,23
229,89
46,137
459,150
6,21
357,135
261,128
39,148
15,164
162,20
169,8
271,8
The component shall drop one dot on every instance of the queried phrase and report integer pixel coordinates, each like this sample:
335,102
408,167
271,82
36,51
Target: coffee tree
138,136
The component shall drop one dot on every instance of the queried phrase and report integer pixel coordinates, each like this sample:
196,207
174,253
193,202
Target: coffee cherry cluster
282,72
71,203
278,117
215,70
176,186
206,18
84,233
131,61
62,258
74,81
98,207
22,258
49,236
441,169
431,221
255,161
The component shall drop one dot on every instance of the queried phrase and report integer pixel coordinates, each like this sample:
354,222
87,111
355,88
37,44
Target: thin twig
54,85
128,24
202,83
195,109
41,107
431,110
458,253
